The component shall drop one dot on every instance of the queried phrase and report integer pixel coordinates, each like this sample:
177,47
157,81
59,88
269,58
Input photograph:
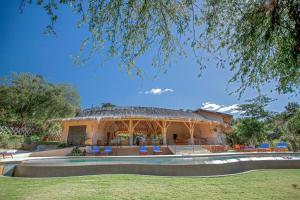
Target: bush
63,145
77,152
9,140
4,140
49,143
16,141
35,139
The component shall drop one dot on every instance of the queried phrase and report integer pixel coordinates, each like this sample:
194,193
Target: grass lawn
268,184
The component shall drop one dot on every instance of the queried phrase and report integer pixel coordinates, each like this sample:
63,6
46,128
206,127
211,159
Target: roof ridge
134,107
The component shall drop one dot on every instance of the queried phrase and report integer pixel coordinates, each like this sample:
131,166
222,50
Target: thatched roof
139,112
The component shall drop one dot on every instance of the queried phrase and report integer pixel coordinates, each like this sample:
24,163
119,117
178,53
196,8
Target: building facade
147,126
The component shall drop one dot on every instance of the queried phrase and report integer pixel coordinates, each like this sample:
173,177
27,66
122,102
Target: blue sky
24,48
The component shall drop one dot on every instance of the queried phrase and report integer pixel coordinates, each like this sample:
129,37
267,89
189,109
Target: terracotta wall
91,127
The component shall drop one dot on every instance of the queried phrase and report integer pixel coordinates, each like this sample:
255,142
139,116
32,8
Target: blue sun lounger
264,147
281,146
156,150
143,150
93,149
107,150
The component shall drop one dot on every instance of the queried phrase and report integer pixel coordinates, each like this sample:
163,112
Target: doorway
76,135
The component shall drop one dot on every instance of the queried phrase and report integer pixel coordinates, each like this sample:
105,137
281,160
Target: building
145,125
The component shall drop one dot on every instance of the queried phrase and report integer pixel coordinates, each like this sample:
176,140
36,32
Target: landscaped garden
267,184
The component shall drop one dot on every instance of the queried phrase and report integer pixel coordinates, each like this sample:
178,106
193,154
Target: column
164,127
192,135
130,131
164,132
191,127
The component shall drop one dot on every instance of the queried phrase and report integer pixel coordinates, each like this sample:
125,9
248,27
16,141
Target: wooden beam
125,124
191,127
160,125
186,124
153,127
134,125
130,131
164,127
168,124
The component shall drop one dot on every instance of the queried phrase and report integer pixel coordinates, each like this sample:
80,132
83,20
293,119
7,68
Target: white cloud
158,91
220,108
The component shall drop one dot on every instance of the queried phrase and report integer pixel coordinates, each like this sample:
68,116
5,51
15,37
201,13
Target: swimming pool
166,160
196,165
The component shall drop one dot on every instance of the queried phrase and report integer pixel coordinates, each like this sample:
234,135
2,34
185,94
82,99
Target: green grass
268,184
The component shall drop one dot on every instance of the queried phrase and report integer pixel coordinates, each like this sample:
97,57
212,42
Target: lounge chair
10,153
264,147
156,150
107,150
281,147
143,150
93,149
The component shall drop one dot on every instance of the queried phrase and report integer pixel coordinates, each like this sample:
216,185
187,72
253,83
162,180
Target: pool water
167,160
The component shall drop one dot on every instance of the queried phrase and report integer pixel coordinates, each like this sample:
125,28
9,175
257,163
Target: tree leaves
28,99
258,40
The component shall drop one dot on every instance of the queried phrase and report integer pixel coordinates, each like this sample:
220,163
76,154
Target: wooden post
130,131
131,127
191,128
164,127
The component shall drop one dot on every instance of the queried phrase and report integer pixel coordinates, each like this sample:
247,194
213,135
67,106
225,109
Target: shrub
63,145
4,140
77,152
27,140
35,139
49,143
9,140
16,141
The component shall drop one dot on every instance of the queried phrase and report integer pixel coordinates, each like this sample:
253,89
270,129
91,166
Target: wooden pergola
163,124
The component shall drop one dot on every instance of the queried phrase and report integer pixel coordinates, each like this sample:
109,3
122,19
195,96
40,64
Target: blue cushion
282,145
108,149
156,149
95,149
143,149
264,145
